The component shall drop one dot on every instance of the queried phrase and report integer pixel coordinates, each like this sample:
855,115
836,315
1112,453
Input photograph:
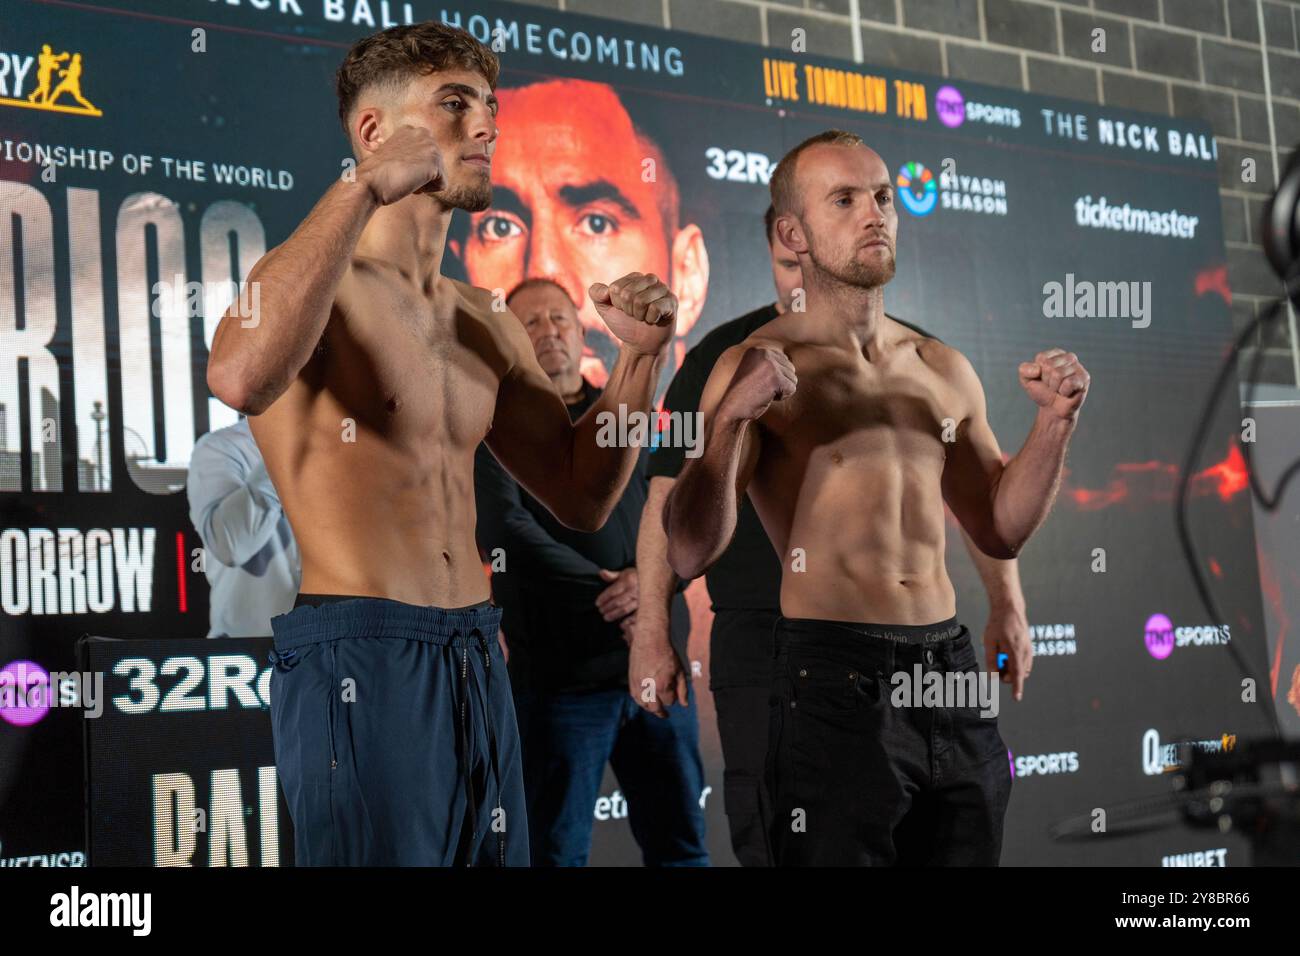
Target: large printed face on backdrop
844,225
581,196
458,107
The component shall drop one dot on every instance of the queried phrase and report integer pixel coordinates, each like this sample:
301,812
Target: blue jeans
568,738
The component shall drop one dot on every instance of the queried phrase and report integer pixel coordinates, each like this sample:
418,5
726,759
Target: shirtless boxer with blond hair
833,420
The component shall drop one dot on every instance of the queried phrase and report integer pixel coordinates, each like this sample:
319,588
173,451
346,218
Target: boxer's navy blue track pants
395,736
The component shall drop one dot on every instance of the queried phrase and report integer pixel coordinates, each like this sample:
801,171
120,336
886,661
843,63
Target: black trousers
858,781
740,677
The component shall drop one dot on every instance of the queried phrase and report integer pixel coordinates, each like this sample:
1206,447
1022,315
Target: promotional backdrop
159,147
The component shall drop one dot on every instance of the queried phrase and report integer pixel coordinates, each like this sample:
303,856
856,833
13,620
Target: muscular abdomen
379,484
868,520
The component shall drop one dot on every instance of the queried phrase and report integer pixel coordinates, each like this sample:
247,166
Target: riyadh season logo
921,191
917,189
1053,640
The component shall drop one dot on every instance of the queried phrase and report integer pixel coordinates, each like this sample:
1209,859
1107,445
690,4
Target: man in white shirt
251,559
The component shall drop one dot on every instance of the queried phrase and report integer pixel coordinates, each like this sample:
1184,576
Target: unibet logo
54,85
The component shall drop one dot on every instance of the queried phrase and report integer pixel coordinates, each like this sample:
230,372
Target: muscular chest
866,415
417,369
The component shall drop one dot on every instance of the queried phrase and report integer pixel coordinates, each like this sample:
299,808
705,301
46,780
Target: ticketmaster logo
1102,215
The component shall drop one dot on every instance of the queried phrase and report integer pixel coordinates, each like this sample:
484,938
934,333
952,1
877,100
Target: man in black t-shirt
744,589
569,601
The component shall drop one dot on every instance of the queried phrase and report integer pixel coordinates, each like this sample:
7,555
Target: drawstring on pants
492,743
470,796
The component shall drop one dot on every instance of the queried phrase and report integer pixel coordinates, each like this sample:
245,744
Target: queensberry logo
55,85
917,189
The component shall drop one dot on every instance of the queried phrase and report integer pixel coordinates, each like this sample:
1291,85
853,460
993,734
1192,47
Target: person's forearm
1001,578
255,357
238,526
700,515
655,577
1028,484
599,471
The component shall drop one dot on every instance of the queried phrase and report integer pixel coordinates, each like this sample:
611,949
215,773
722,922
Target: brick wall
1208,59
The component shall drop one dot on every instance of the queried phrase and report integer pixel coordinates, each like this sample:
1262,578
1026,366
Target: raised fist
407,162
638,309
1056,382
763,376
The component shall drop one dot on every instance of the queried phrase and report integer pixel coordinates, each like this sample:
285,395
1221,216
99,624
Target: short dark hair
782,186
413,50
536,281
769,223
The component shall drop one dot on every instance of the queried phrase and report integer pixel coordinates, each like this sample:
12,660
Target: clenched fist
764,376
407,162
638,309
1056,382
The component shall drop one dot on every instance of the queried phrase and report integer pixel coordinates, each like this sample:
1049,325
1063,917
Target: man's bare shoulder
364,289
948,363
781,333
941,357
731,357
479,301
503,340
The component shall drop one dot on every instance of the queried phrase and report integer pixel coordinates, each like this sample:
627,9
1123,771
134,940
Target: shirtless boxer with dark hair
833,420
372,379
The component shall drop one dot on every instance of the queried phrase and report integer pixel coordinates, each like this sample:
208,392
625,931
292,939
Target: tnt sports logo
55,86
1161,637
1029,765
951,106
22,701
917,189
954,109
